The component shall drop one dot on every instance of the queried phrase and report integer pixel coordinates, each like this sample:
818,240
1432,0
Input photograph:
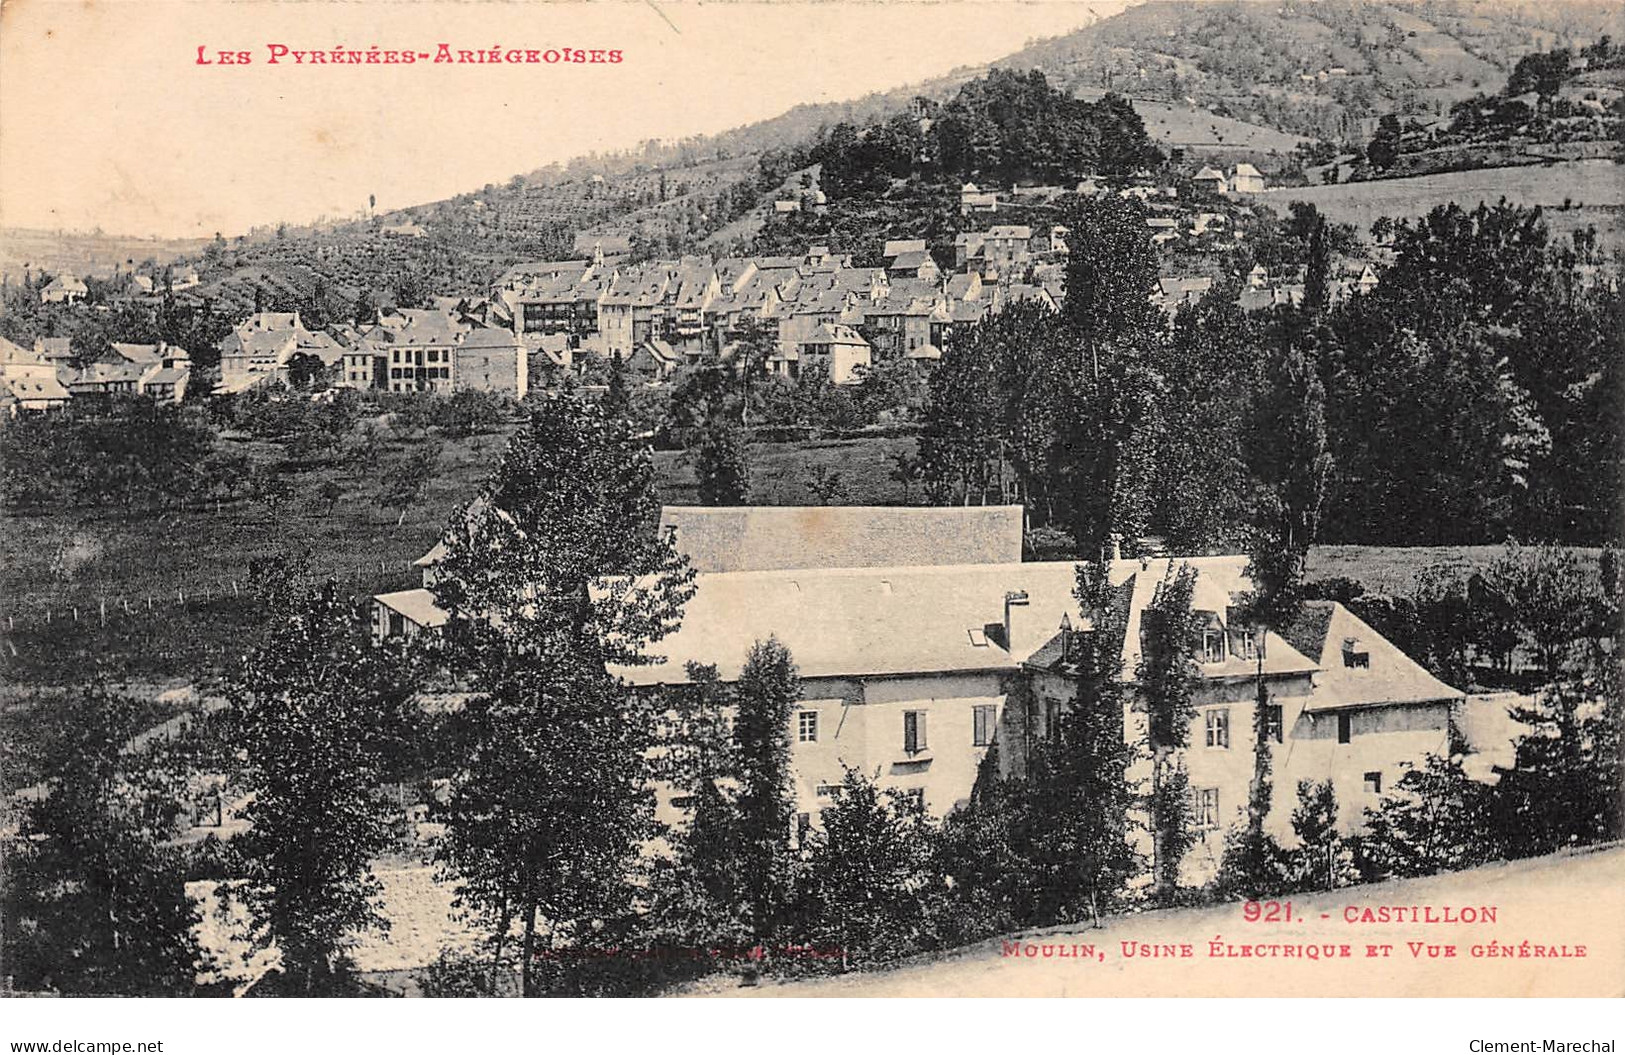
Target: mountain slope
1321,69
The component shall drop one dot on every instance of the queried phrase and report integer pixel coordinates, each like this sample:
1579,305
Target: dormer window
1213,645
1355,654
1246,643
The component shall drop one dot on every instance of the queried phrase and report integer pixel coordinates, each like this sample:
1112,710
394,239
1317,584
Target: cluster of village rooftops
545,318
923,639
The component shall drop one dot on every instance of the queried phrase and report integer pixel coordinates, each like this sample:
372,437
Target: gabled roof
41,387
912,260
836,333
1244,169
891,621
1208,172
138,353
16,353
54,347
489,337
1321,631
417,605
898,246
753,538
1019,231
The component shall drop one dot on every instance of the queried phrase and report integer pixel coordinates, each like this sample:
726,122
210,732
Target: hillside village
1072,411
541,320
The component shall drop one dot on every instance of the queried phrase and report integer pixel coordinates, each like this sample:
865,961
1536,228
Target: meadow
1593,190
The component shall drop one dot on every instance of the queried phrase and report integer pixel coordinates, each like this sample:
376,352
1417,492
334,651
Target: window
915,797
1217,721
1373,783
830,791
1052,718
1212,646
803,826
1273,728
982,724
1246,644
434,356
1355,655
914,740
807,727
1345,727
682,802
1205,808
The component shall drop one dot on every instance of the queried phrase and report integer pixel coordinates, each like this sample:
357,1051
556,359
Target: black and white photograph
850,500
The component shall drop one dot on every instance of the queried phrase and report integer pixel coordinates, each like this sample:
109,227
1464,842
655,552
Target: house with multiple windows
923,640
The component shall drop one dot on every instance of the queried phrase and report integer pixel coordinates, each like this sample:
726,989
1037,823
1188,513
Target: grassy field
175,586
1181,125
84,254
1596,188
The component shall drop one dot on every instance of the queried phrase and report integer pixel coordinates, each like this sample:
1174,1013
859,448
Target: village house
422,343
259,349
28,381
840,350
550,297
1211,180
923,640
1173,292
652,361
973,199
1246,180
1006,249
914,264
490,359
63,289
58,351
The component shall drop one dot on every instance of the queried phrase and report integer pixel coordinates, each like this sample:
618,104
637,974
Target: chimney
1012,598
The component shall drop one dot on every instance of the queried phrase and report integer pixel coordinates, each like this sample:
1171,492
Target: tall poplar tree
552,576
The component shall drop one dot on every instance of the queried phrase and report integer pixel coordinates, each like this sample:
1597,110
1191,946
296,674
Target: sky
108,120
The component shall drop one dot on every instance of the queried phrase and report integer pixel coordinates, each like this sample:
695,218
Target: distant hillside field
85,254
1183,126
1595,185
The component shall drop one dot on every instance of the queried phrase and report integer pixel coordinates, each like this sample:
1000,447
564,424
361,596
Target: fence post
76,613
104,611
234,588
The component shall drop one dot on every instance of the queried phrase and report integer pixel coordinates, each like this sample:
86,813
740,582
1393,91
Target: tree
1322,860
1436,819
905,470
271,489
866,874
318,713
617,400
722,465
405,480
93,893
1078,793
825,485
767,691
1551,594
1384,148
552,576
1565,787
1167,675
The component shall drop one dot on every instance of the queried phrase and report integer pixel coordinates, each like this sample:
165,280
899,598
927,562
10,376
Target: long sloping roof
1390,676
897,621
759,538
